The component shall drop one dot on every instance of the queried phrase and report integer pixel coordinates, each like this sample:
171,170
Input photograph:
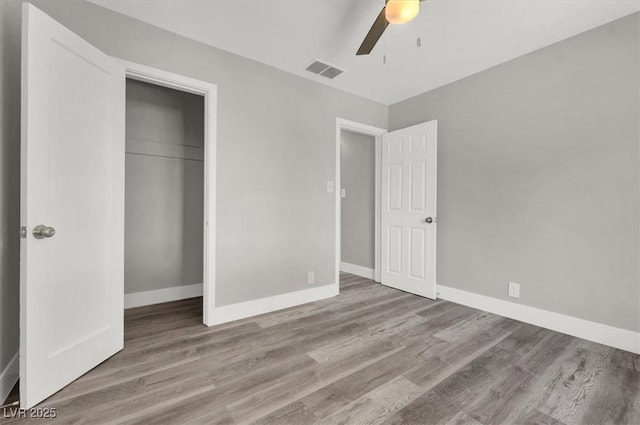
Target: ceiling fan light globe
401,11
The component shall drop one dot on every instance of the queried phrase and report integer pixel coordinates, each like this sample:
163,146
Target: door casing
209,92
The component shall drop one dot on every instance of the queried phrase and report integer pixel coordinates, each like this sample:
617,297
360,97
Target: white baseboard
9,377
358,270
585,329
139,299
229,313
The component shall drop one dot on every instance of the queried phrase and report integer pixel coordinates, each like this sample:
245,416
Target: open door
72,207
408,218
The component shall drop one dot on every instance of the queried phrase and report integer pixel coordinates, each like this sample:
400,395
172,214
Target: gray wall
538,176
276,150
358,167
9,190
164,184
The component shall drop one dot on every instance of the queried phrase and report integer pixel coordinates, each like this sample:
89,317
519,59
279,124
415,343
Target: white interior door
71,282
408,218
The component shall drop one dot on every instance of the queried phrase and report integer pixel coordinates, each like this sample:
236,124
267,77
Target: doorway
358,199
164,194
405,206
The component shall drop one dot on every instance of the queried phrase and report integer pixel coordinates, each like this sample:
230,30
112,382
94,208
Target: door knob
430,220
41,231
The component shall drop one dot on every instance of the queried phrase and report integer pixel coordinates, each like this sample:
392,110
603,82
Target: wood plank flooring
372,355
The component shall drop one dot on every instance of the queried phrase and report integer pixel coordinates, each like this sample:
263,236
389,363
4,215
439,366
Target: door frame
209,91
376,133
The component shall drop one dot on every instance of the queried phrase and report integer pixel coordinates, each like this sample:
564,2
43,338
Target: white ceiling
459,37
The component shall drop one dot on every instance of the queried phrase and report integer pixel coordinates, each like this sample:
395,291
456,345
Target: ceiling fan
393,12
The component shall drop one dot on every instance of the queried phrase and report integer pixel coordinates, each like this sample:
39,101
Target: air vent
324,69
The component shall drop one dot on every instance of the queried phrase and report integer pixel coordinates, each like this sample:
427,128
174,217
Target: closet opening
164,194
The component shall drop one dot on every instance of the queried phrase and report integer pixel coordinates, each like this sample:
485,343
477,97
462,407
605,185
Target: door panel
71,283
408,197
395,187
417,252
395,250
418,184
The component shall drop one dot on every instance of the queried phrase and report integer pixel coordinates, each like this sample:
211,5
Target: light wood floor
373,355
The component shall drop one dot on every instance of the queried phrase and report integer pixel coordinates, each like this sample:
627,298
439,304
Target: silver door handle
41,231
431,220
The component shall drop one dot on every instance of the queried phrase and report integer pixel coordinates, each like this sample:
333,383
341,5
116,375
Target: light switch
330,186
343,192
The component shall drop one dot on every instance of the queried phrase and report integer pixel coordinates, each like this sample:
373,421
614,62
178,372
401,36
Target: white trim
376,132
157,296
9,377
365,272
638,235
585,329
229,313
209,91
378,205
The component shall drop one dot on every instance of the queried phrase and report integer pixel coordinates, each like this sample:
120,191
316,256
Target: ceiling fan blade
378,27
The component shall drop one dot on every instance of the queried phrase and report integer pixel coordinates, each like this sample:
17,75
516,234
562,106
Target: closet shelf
143,147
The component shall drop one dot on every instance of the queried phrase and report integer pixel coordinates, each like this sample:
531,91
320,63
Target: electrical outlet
311,278
330,186
514,290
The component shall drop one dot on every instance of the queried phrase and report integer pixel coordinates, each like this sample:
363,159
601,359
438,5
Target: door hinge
23,232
